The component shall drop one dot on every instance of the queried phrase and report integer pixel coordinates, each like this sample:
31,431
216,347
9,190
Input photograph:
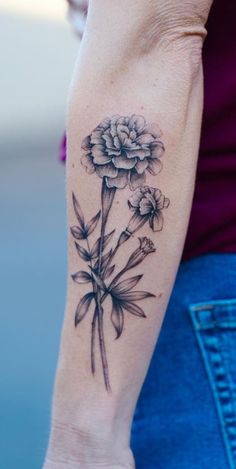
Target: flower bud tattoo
121,151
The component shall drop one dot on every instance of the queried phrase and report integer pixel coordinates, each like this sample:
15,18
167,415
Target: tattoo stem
102,343
107,197
94,320
93,341
125,235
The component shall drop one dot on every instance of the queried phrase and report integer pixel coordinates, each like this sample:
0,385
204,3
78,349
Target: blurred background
38,50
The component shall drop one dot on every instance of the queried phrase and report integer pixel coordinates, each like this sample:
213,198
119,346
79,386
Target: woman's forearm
133,134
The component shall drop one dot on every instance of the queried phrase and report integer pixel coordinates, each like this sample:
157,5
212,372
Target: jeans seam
231,424
214,379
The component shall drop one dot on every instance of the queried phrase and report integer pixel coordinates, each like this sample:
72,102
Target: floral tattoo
120,151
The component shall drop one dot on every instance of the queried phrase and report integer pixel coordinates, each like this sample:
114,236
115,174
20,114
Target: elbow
179,46
176,32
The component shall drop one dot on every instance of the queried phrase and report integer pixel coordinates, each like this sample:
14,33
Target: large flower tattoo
121,149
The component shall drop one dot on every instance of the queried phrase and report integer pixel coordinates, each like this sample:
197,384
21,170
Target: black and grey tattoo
120,151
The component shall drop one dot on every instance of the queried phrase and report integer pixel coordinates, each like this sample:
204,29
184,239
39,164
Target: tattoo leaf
83,307
134,295
109,271
117,318
81,277
105,259
78,211
90,227
78,233
98,280
125,285
96,247
83,253
133,309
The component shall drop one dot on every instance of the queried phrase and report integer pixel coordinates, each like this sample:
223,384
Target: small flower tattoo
147,203
146,246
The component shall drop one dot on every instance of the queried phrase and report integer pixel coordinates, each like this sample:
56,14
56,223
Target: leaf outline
82,307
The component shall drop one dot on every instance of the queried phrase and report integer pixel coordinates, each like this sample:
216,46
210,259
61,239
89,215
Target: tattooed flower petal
147,203
120,181
137,122
146,247
154,165
87,161
136,222
136,179
141,166
122,162
157,149
107,170
86,143
156,222
123,143
154,129
99,156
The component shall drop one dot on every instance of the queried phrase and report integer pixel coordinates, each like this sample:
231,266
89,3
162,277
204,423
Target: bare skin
143,59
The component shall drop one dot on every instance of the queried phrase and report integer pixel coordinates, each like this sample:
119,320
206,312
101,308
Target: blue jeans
186,413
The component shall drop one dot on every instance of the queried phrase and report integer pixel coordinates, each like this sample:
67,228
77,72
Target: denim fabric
186,414
215,326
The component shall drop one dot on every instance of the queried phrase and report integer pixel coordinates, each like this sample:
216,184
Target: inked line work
121,151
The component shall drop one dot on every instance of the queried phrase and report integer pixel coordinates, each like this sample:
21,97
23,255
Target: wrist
80,449
87,430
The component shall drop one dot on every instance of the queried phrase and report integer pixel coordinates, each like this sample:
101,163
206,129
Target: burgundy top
212,225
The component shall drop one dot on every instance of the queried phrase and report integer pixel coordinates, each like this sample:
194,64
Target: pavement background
37,51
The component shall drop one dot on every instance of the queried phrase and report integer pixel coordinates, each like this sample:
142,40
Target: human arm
144,61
